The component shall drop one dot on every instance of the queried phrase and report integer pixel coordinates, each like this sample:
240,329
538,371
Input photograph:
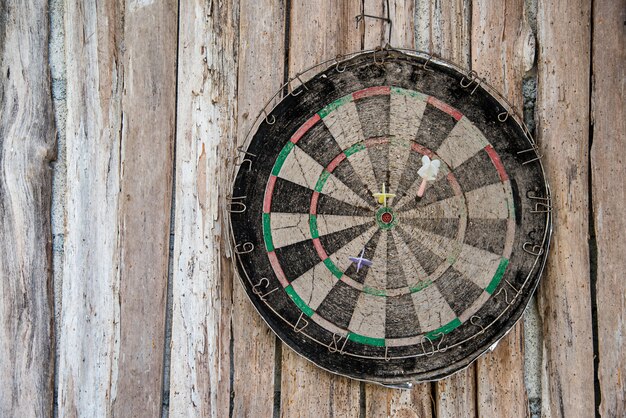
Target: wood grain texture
27,145
503,46
502,52
319,30
90,319
202,292
456,395
147,142
400,403
308,391
443,28
563,133
261,52
608,170
121,102
376,32
500,387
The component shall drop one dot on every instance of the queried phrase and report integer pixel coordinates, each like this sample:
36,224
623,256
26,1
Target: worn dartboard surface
446,274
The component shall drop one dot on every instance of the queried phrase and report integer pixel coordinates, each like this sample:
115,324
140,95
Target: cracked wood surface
608,170
563,132
27,145
120,133
201,279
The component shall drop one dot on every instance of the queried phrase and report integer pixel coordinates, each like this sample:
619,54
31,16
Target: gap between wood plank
165,391
593,245
278,344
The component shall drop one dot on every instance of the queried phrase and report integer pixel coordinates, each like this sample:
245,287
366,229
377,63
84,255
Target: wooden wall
158,94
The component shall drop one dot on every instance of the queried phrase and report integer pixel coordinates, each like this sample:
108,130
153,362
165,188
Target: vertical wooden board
308,391
319,30
402,13
261,71
120,138
502,51
376,31
27,145
401,403
501,390
381,401
147,140
206,120
90,320
609,194
563,133
443,29
503,46
456,395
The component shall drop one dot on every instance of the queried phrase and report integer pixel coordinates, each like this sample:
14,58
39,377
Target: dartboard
390,217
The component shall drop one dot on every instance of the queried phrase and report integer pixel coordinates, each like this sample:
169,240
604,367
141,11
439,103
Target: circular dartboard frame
501,167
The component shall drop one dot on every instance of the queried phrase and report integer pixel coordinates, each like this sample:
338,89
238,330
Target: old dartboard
450,271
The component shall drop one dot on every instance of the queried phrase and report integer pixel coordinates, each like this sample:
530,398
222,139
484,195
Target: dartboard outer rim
533,276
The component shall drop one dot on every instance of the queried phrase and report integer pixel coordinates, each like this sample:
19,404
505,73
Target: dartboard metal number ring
390,217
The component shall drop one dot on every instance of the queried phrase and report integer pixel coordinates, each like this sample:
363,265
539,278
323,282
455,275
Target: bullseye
386,218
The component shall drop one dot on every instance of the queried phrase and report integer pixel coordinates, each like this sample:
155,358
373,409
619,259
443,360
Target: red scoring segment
386,217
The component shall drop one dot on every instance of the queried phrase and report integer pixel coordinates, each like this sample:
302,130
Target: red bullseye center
386,217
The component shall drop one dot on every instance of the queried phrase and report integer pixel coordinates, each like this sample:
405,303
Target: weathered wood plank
380,401
608,171
500,388
121,60
89,330
27,145
206,120
147,145
261,53
503,46
443,29
319,30
456,395
308,391
503,49
563,131
385,402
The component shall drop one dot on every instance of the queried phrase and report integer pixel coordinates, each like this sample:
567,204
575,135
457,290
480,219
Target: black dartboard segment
357,262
